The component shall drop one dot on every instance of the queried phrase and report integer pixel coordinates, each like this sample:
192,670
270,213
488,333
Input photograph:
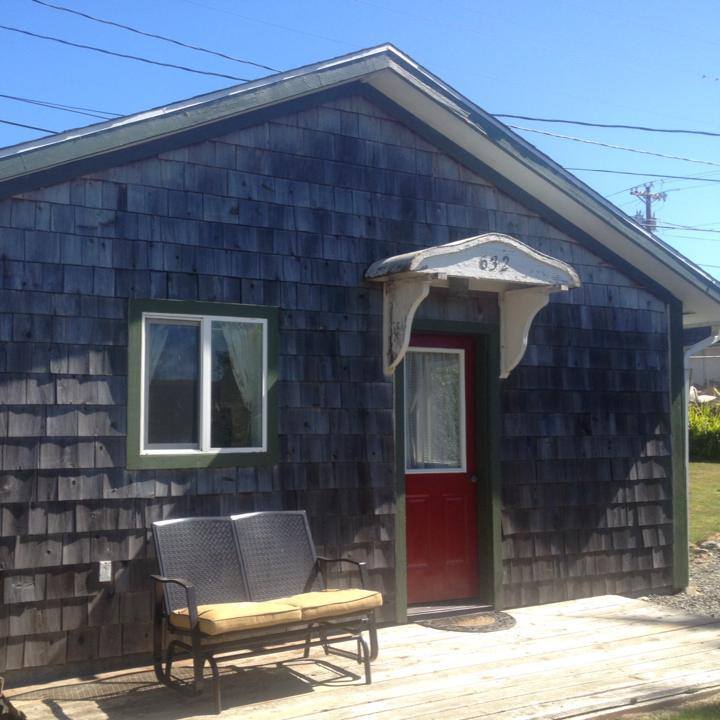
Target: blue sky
612,62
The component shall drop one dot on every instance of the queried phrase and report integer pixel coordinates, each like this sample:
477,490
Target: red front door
440,489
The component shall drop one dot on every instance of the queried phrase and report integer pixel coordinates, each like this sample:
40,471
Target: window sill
189,461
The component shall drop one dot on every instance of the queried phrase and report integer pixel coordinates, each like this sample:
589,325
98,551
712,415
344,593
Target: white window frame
463,415
204,447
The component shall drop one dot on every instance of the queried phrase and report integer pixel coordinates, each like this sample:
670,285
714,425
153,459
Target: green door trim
487,442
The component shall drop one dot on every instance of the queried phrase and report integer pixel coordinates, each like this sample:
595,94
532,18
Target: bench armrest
358,564
190,594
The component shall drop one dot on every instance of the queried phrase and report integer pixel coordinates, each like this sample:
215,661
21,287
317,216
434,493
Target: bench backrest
202,551
277,553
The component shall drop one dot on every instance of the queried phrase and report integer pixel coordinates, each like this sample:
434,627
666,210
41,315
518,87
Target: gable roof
507,159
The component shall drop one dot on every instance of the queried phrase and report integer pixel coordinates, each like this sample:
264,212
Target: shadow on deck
138,694
572,659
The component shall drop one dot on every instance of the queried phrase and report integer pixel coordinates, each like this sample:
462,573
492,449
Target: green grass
704,501
704,431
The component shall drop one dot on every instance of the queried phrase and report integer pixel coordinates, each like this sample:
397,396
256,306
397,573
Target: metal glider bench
249,585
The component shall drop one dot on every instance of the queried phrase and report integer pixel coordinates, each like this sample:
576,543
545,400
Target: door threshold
446,608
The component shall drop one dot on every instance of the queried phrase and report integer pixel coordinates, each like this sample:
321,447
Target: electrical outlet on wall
105,571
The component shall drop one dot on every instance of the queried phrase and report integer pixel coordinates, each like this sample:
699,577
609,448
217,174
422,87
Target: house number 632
493,263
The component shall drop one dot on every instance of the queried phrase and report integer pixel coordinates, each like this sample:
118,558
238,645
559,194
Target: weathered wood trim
681,568
136,461
512,190
400,516
518,309
491,262
493,483
401,299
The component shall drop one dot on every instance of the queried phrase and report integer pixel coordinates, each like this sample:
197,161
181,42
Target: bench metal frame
171,593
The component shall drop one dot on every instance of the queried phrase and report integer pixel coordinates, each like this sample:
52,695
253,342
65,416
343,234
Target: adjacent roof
430,101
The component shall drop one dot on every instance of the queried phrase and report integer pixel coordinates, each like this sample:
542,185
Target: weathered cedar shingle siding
290,213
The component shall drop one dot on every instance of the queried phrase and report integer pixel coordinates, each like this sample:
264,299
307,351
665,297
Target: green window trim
678,418
138,460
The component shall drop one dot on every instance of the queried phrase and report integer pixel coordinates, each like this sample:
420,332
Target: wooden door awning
522,277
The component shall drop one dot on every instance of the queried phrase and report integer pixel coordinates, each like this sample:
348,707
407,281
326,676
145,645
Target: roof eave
208,109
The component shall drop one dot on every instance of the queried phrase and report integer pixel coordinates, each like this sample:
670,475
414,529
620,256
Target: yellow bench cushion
330,603
220,618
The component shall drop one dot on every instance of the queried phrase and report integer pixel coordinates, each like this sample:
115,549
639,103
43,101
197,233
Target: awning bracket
522,277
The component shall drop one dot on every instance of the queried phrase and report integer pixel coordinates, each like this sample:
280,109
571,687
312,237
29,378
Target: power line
66,108
155,36
603,125
672,226
121,55
620,192
269,24
690,237
30,127
625,204
637,174
689,187
683,226
715,222
612,147
680,189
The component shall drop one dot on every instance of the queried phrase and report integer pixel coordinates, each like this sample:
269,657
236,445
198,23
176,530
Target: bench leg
164,674
324,640
158,638
170,658
364,658
215,684
372,633
308,640
198,662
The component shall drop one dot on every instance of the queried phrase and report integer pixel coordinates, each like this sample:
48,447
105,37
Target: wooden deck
567,660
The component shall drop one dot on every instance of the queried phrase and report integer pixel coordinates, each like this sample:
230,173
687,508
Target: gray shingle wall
290,213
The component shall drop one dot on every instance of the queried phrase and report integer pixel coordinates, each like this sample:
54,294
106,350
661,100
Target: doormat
471,622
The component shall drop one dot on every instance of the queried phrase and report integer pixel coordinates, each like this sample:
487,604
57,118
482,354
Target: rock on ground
702,596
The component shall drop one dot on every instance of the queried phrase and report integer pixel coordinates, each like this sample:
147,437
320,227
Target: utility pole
649,197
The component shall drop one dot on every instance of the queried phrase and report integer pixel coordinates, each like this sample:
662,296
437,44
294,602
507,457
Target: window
201,384
434,410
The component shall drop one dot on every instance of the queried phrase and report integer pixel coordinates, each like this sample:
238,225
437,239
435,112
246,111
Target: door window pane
434,402
237,385
173,383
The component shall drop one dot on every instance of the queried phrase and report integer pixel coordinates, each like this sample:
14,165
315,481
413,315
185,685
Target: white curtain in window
244,342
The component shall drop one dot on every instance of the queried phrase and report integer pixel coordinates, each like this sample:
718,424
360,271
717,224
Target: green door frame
487,434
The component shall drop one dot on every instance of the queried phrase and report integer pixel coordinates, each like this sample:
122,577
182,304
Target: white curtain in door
433,422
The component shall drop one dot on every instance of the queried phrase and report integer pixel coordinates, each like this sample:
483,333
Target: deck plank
559,661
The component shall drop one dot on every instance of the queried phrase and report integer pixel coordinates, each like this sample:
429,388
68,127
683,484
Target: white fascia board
132,130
